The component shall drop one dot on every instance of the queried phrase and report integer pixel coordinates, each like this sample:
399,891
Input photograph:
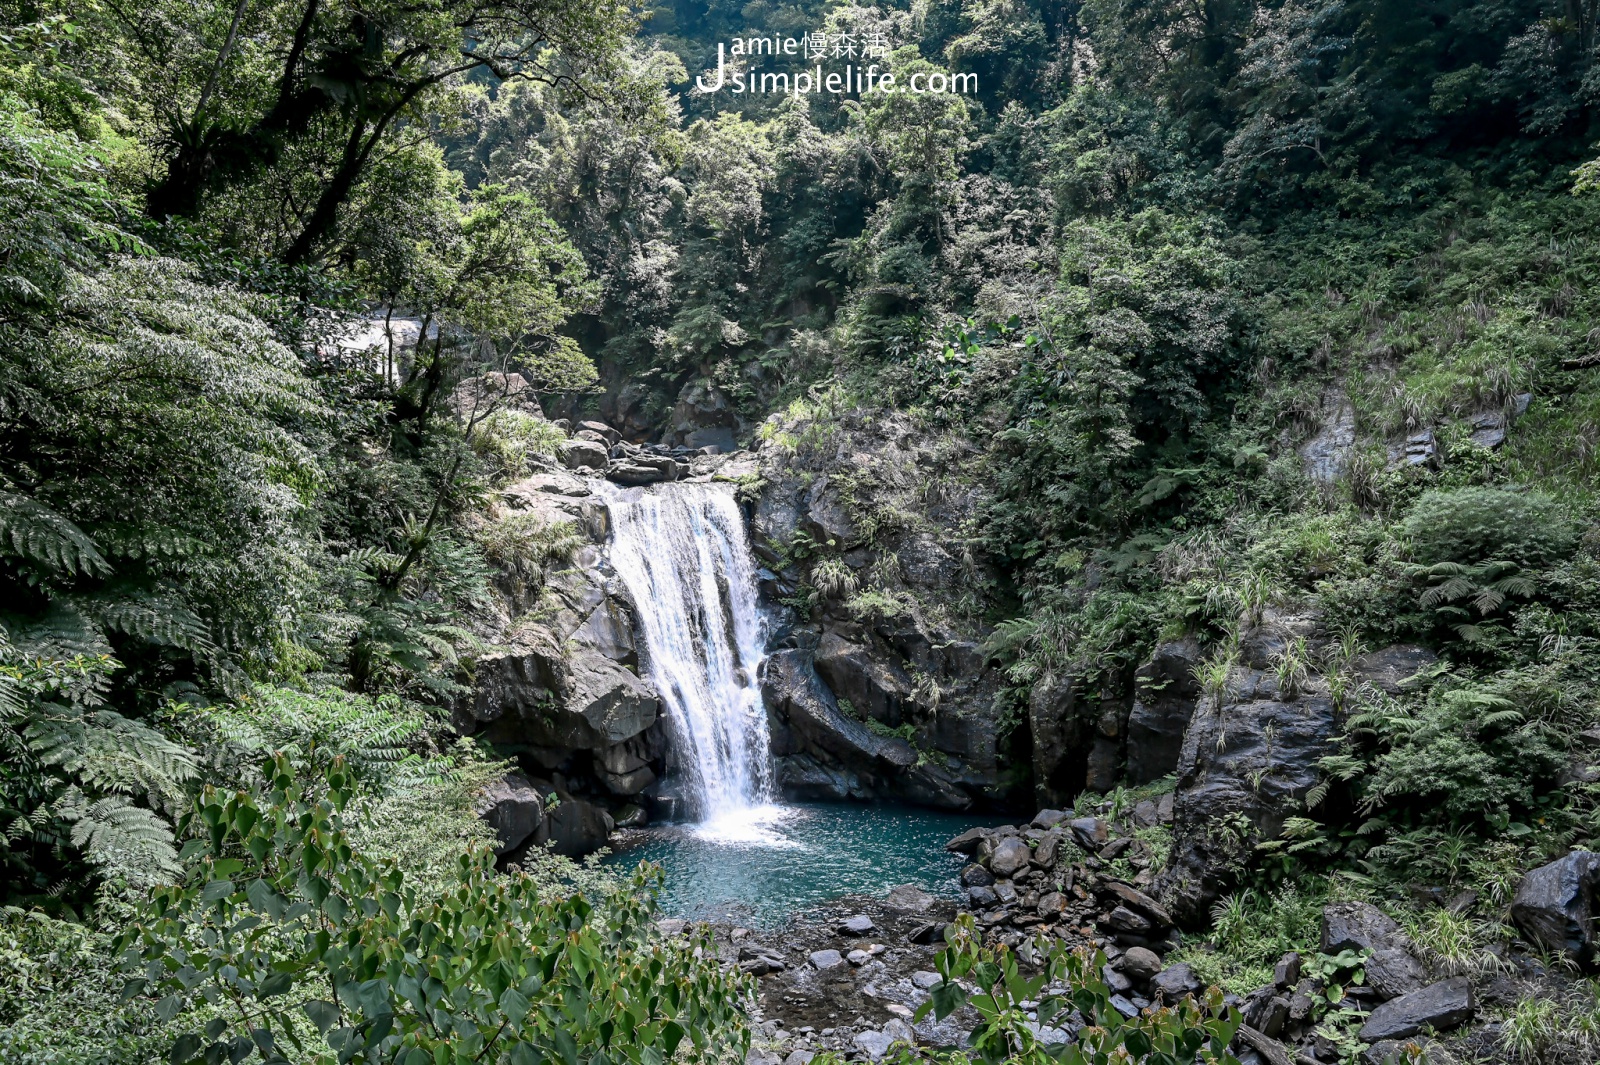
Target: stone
1442,1006
539,693
927,934
1555,905
908,898
926,980
1140,964
602,430
1117,981
1005,891
1176,981
515,810
982,897
825,960
875,1045
1058,736
1393,972
1166,692
799,1057
1123,919
1048,819
582,455
1011,855
577,828
1052,905
1124,1007
976,876
1048,850
1287,972
875,686
1090,833
967,842
858,957
1138,901
1327,454
857,925
1397,1051
632,816
1390,668
1357,926
759,1056
636,474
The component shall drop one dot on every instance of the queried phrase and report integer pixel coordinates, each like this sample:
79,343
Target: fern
124,841
108,753
38,535
154,618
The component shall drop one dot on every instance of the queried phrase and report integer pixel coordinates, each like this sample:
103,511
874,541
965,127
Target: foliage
991,982
281,922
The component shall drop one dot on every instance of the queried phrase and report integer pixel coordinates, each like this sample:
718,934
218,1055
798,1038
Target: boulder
1090,833
1136,900
1139,964
1165,694
1358,926
908,898
601,430
967,842
1393,972
1010,857
1555,905
578,828
975,875
515,810
1048,819
826,960
1176,981
1048,851
1052,905
632,474
582,455
1442,1006
858,925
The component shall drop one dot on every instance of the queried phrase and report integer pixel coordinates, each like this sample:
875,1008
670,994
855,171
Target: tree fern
154,617
124,841
38,535
108,753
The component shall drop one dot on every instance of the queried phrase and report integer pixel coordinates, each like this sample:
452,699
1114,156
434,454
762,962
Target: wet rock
1442,1006
1166,691
908,898
1358,926
1255,755
857,925
1134,899
976,876
1123,919
631,816
1555,905
1393,972
515,810
1390,668
982,897
636,474
1267,1013
874,686
967,842
541,694
1011,855
1058,737
826,960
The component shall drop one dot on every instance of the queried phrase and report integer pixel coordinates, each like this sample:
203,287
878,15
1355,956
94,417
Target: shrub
1473,525
299,939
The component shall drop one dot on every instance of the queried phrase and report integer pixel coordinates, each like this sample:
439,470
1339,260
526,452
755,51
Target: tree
236,90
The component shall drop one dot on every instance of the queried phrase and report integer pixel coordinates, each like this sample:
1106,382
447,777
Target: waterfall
681,551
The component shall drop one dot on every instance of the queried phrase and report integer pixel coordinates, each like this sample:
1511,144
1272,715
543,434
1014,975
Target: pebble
858,957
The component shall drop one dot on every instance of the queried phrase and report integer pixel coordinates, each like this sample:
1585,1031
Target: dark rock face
877,508
1165,691
515,810
577,828
1247,757
829,754
704,416
1442,1007
1555,905
1391,667
1058,735
534,695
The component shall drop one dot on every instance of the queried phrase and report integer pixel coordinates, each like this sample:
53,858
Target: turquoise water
783,860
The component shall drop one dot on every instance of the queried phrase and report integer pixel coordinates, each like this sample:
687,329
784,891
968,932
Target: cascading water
682,553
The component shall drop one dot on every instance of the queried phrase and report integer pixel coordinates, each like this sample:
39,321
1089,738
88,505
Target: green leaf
276,984
514,1005
323,1014
168,1007
185,1049
216,890
946,998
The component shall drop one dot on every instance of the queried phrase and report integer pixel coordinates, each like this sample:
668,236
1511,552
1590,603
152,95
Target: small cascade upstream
681,551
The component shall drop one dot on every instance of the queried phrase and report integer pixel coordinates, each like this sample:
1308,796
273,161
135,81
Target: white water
681,551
